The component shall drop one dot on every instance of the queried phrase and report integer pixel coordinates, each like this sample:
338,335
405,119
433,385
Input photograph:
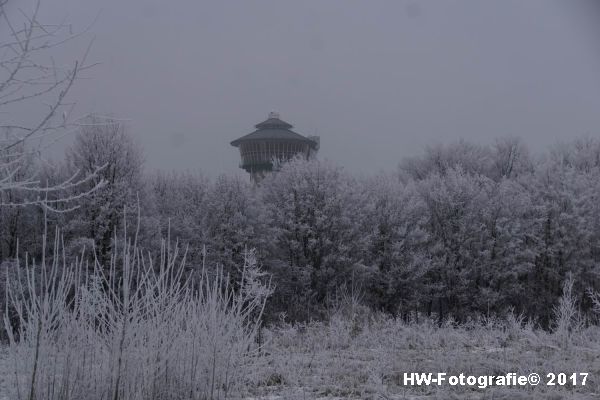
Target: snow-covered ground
339,360
333,362
5,393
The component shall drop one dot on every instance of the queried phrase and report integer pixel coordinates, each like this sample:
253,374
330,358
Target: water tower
272,142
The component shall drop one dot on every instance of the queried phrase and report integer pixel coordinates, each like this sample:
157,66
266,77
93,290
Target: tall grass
139,328
567,320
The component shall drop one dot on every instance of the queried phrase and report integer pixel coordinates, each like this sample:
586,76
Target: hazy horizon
377,81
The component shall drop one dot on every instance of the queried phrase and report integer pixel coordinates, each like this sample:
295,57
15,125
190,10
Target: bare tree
34,111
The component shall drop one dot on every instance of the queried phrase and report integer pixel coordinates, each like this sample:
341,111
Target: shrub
138,329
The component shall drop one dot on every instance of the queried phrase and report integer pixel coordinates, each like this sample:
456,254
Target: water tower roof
273,122
273,129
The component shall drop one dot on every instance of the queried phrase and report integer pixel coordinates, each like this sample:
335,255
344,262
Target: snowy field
4,371
169,342
343,359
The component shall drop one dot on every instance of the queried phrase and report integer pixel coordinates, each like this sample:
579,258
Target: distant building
272,142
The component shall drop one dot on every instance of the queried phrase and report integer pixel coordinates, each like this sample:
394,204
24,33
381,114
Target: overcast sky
377,80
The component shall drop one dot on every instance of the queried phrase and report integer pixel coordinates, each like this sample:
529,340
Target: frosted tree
507,260
104,145
315,213
582,154
34,89
15,222
233,221
470,157
506,158
566,231
510,158
397,244
455,204
179,207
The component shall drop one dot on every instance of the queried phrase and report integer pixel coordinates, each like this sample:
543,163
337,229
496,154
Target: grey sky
377,80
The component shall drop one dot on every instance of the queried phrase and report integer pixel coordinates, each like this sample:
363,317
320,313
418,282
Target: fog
376,80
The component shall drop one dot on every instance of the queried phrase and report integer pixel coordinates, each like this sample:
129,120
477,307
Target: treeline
462,231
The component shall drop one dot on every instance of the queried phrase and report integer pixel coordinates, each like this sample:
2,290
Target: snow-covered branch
34,105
